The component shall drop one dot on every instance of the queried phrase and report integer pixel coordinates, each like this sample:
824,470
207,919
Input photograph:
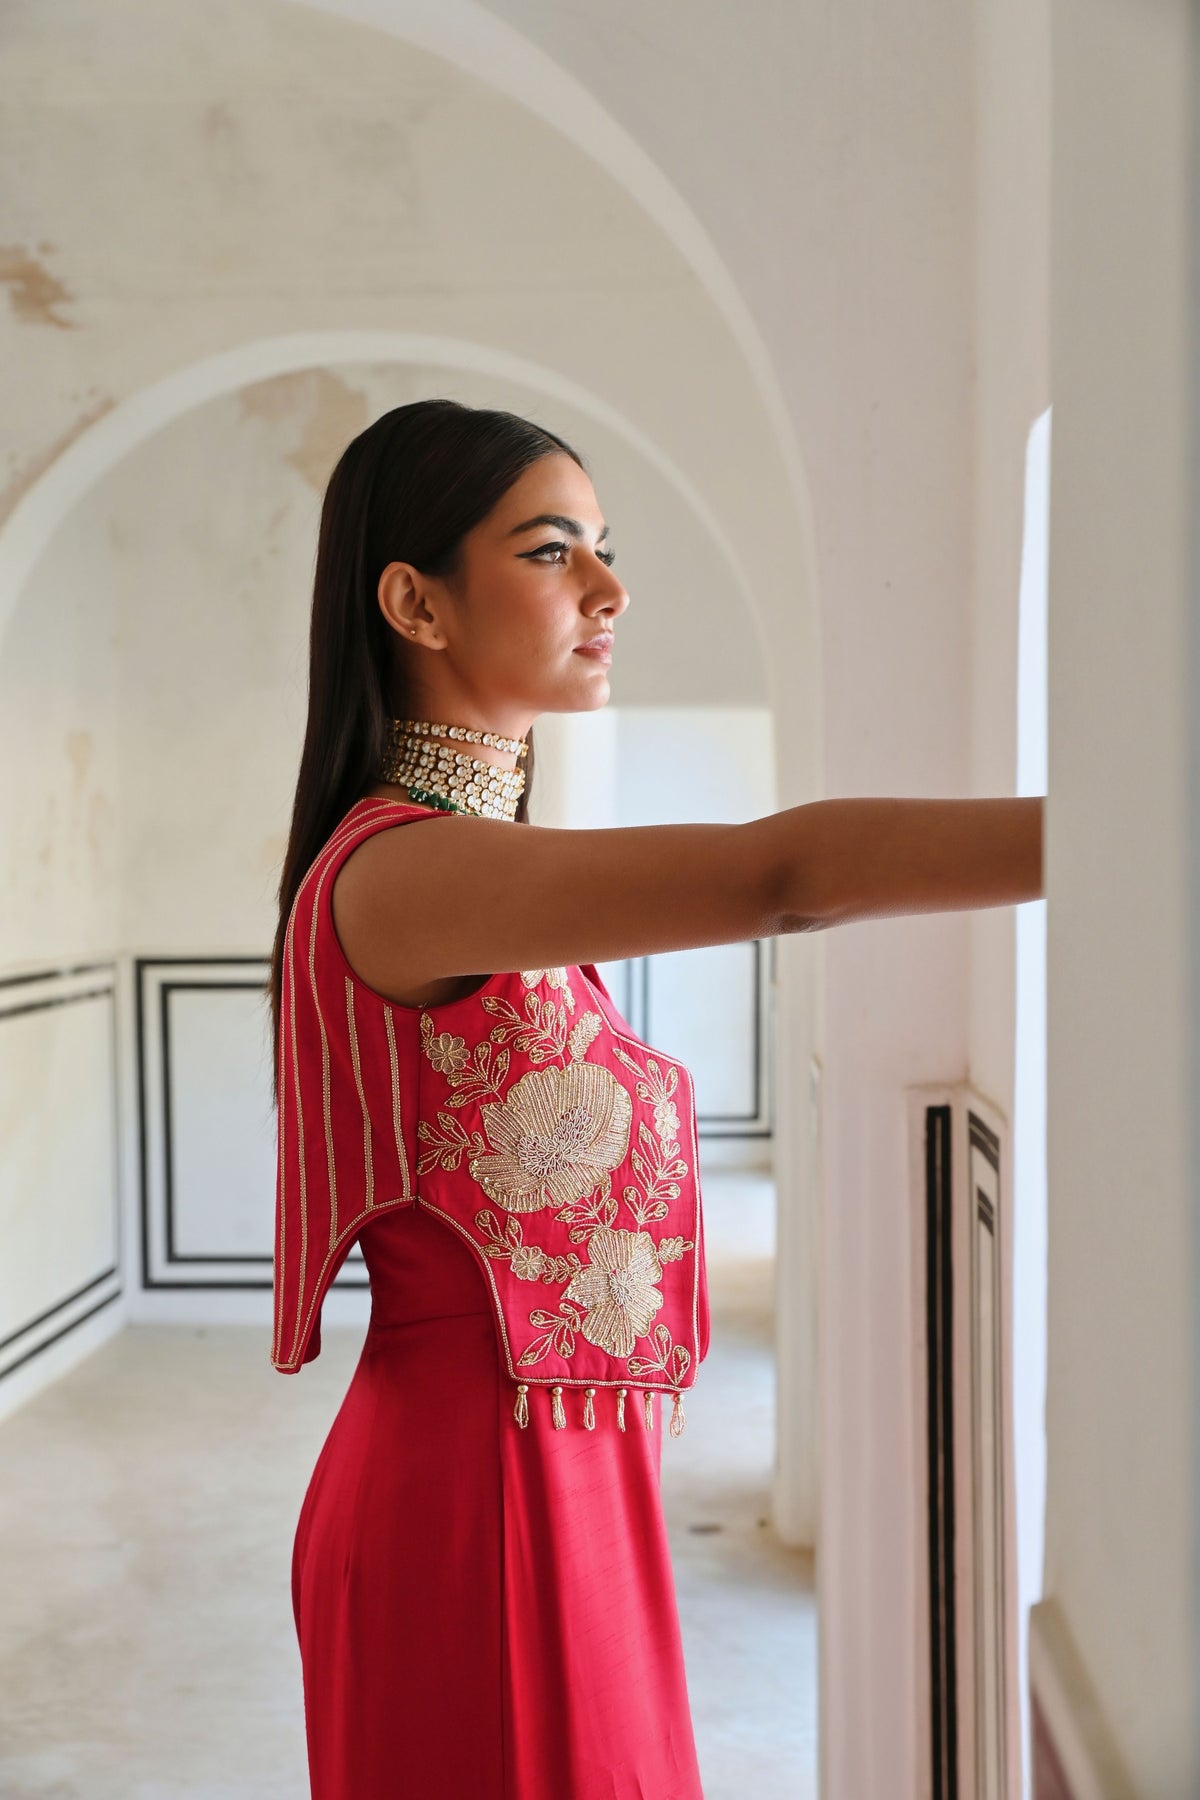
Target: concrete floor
147,1506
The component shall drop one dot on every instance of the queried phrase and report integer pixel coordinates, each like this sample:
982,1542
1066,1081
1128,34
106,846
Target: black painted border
939,1323
109,993
981,1139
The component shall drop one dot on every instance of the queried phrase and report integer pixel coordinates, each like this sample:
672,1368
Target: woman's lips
598,647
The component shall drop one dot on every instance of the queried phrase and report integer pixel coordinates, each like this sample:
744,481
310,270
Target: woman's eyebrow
560,519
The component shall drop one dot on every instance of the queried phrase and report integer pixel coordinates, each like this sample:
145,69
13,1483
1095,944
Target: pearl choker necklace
454,781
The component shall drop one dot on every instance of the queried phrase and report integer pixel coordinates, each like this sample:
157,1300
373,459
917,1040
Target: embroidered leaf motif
529,1262
541,1034
582,1033
657,1164
448,1149
560,1337
593,1211
673,1249
481,1079
555,978
673,1361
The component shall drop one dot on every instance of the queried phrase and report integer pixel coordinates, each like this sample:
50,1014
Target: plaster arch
480,44
44,506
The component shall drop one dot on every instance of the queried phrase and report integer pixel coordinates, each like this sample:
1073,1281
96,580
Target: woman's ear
404,600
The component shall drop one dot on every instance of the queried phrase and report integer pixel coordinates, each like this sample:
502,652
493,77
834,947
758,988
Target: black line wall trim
939,1321
754,1124
48,1001
984,1145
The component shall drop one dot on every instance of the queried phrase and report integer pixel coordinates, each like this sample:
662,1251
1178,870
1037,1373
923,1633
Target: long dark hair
407,489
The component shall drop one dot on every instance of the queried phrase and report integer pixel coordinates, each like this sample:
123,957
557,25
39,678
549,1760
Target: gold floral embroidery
446,1052
659,1167
673,1361
582,1033
585,1216
555,978
559,1329
448,1149
618,1289
528,1261
556,1136
554,1139
470,1074
541,1034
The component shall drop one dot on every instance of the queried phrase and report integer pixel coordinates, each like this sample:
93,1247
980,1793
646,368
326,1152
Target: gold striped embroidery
291,956
396,1124
288,984
312,977
282,1149
368,1161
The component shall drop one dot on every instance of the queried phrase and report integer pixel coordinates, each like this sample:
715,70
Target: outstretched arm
869,859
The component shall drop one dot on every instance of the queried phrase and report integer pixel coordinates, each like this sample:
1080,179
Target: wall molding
41,990
967,1689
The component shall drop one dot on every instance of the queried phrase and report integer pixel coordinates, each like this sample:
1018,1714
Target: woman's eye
547,550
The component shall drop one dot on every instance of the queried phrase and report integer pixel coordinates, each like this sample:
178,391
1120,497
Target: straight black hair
406,489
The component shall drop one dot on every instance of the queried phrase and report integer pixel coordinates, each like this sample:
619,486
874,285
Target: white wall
1121,914
1029,1109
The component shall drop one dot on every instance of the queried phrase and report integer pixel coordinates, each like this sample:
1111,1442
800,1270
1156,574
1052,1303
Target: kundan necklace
452,780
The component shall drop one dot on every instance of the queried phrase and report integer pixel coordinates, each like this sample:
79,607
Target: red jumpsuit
481,1578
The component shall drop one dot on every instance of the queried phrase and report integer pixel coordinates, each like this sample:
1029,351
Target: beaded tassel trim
558,1412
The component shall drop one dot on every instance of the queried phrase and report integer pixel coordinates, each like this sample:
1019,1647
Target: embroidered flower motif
446,1052
619,1288
526,1262
666,1119
557,1135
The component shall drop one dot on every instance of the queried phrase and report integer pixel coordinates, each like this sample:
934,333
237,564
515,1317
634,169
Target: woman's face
499,644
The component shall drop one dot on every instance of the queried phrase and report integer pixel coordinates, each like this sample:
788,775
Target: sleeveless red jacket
527,1117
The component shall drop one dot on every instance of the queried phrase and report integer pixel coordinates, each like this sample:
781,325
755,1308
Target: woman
481,1578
